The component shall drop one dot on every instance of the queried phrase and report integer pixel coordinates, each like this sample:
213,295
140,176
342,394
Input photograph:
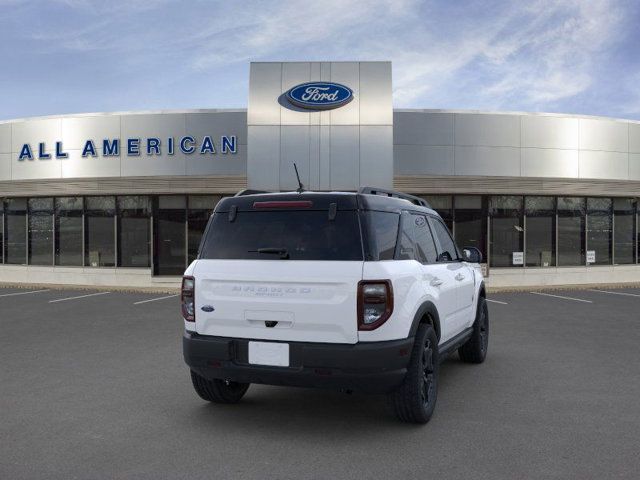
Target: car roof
245,200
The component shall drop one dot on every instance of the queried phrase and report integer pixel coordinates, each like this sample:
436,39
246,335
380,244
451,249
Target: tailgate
304,301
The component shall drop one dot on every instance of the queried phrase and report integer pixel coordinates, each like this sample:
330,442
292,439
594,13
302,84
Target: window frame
431,234
458,259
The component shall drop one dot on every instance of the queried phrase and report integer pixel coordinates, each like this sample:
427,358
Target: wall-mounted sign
484,268
518,258
591,256
319,95
134,147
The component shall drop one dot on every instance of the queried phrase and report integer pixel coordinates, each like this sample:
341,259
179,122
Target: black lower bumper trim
372,367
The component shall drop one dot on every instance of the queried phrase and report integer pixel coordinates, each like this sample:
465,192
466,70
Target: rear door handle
459,277
436,282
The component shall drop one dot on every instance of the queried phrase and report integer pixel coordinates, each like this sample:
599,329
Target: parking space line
560,296
496,301
616,293
22,293
156,299
78,297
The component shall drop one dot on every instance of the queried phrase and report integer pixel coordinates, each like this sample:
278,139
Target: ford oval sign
319,95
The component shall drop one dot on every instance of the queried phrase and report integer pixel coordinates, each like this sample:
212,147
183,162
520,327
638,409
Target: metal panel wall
266,162
163,126
347,73
332,151
293,73
605,165
423,160
634,137
5,138
487,130
266,85
540,131
75,130
422,128
344,172
487,161
376,102
634,166
515,145
332,148
547,162
35,131
77,166
294,147
607,135
5,166
376,142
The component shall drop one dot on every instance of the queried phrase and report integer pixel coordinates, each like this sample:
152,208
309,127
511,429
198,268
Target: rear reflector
284,204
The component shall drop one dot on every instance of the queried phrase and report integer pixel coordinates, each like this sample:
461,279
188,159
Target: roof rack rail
248,191
392,193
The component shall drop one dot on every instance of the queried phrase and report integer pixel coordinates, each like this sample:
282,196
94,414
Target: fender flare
427,308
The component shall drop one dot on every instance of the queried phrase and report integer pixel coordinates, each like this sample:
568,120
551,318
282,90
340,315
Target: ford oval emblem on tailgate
207,308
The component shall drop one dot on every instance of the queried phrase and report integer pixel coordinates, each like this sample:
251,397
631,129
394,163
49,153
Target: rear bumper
374,367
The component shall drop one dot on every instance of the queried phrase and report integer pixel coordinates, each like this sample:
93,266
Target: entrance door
170,225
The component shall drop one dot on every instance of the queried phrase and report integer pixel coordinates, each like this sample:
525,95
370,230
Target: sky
76,56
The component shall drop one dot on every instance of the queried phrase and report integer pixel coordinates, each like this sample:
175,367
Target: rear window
286,234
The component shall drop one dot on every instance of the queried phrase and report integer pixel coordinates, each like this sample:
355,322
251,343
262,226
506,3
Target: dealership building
123,198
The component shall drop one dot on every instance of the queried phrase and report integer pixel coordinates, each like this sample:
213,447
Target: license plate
269,353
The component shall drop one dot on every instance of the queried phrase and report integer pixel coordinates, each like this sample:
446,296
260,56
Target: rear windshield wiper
283,252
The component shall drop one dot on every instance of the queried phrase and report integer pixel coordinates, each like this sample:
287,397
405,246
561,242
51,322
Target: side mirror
444,257
471,255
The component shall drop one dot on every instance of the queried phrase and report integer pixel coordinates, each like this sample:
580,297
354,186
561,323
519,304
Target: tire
475,349
218,391
415,400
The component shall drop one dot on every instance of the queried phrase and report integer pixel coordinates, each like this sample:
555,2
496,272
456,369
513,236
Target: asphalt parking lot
95,387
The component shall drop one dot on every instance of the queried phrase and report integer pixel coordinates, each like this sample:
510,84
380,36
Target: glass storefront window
624,230
170,235
41,231
599,230
200,209
571,231
540,220
68,231
443,204
470,219
134,231
1,231
100,231
15,231
506,236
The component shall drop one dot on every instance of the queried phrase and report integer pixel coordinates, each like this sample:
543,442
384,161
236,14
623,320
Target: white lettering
316,94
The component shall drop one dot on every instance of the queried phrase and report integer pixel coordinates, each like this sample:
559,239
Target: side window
406,243
447,250
382,233
425,246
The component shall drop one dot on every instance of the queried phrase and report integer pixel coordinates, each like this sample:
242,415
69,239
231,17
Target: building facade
123,198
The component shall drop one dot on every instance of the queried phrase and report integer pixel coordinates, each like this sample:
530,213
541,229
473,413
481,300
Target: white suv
358,291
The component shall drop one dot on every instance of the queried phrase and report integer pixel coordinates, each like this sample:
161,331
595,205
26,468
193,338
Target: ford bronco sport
358,291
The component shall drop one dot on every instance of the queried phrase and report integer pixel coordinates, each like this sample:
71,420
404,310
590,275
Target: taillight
375,303
188,299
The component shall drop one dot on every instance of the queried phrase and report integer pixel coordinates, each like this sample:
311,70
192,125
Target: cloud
493,54
539,55
312,30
